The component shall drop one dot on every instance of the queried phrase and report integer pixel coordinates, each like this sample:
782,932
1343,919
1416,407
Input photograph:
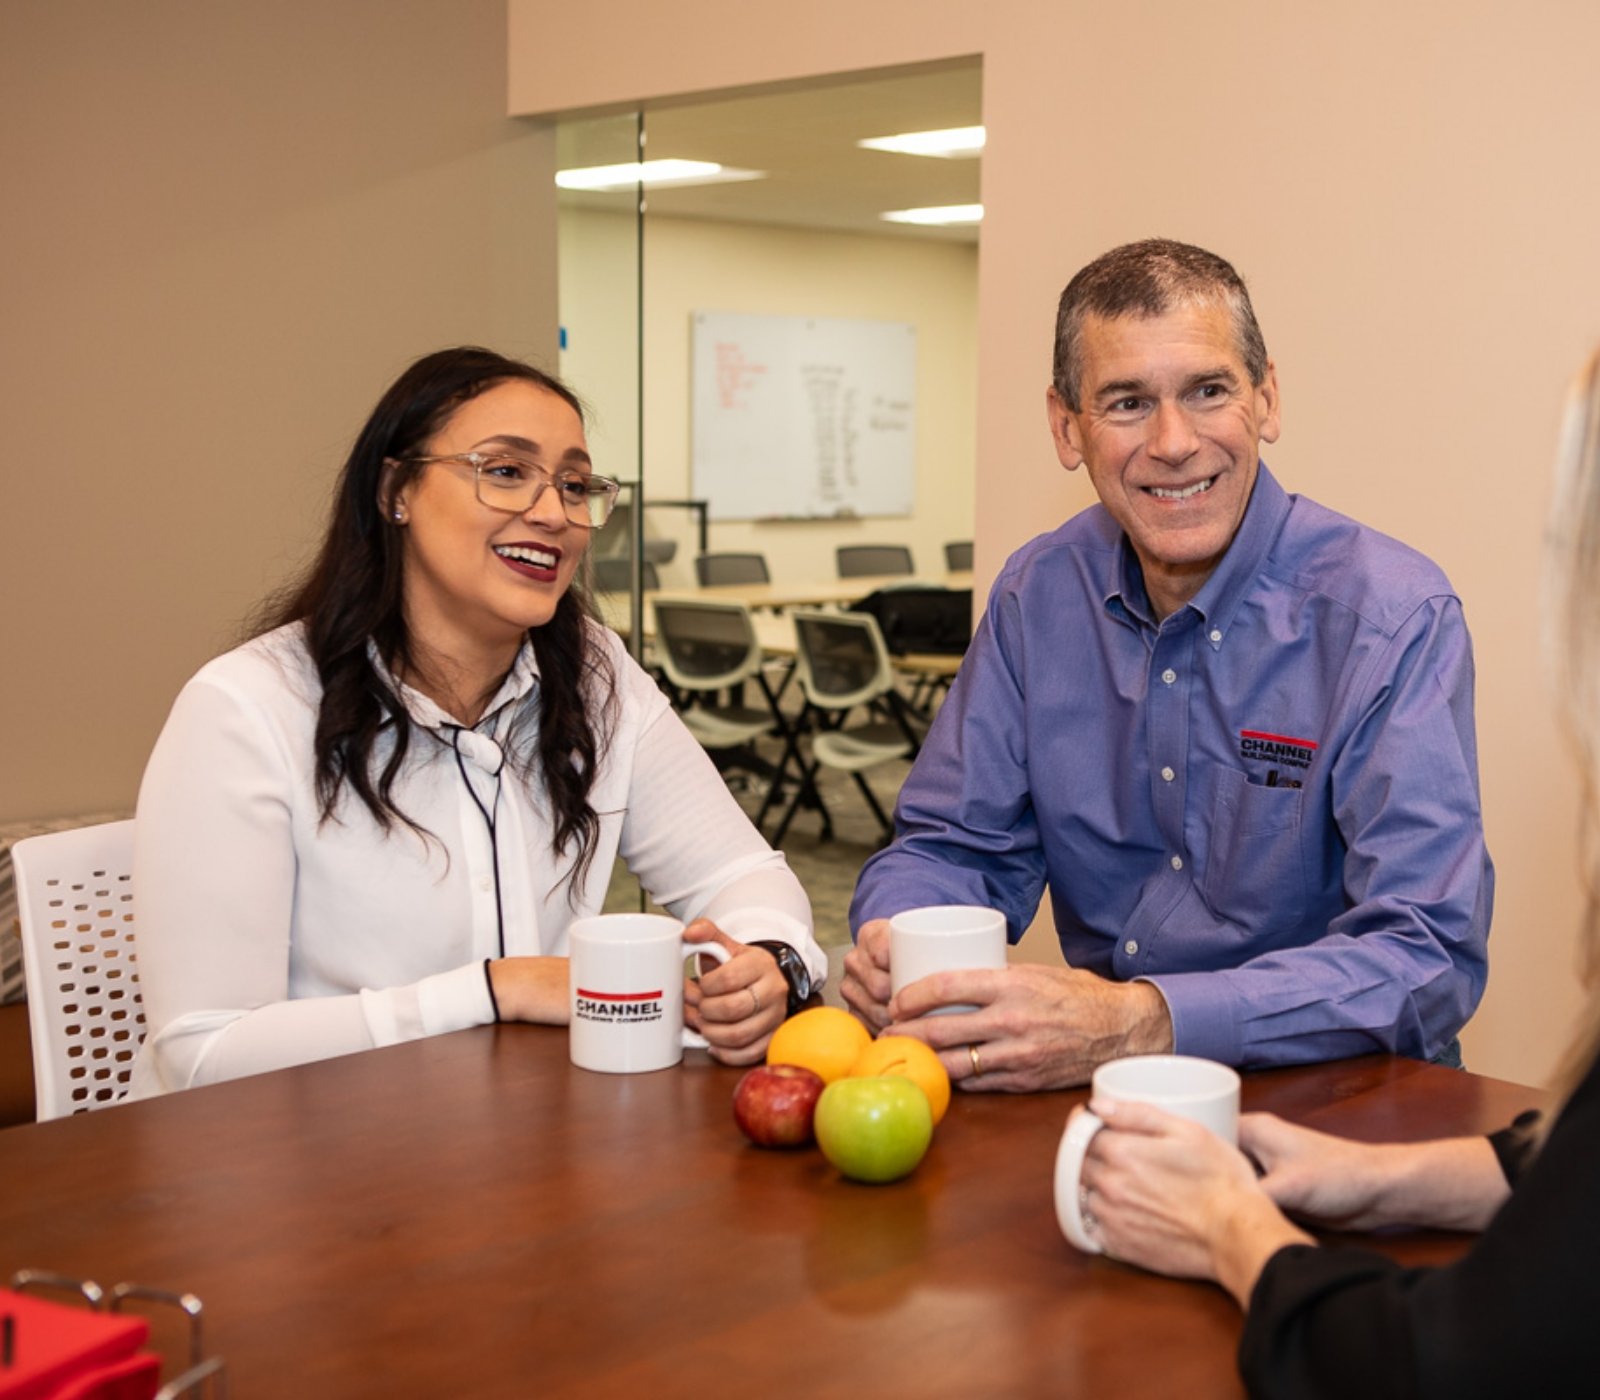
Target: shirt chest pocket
1255,869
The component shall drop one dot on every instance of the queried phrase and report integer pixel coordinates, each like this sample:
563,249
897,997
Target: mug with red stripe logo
625,974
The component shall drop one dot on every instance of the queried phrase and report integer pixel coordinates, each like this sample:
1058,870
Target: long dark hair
352,594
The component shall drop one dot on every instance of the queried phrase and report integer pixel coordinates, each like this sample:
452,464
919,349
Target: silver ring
755,1000
972,1054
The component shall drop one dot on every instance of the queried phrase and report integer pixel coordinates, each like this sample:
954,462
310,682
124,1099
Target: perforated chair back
842,660
958,556
705,646
865,560
611,574
75,907
712,569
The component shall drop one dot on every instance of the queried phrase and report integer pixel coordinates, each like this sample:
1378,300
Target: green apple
875,1127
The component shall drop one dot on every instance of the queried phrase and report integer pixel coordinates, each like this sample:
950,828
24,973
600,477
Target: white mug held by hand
1202,1091
944,938
625,986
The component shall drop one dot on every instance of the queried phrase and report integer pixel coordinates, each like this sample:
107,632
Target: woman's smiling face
478,578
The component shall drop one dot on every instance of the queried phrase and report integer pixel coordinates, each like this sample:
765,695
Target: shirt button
1169,675
1167,775
1177,862
1131,947
485,884
1216,636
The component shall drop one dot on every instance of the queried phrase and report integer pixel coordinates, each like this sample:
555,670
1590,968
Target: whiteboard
803,416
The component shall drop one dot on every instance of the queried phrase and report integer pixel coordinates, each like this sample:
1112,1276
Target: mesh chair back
936,621
958,556
864,560
706,646
75,907
612,573
712,569
615,538
842,659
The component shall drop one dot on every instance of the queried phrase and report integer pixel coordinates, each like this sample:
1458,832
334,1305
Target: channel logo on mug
619,1008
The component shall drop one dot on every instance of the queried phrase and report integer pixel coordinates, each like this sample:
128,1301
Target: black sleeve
1516,1146
1514,1316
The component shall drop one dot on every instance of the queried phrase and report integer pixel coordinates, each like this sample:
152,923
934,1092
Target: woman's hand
738,1004
1168,1195
531,989
1450,1183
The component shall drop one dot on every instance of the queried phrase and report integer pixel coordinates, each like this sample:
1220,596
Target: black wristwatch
793,968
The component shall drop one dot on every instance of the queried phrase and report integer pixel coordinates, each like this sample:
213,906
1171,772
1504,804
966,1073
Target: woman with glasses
377,819
1510,1317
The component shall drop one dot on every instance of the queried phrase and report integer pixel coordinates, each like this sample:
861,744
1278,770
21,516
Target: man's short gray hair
1151,278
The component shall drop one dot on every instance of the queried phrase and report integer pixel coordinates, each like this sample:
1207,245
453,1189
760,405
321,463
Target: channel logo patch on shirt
1257,746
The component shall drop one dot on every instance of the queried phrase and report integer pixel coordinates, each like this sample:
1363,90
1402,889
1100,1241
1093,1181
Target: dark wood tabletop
471,1216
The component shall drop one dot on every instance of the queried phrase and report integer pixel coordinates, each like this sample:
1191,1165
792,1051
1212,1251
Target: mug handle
693,1040
1069,1189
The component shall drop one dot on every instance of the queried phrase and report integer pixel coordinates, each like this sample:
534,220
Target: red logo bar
1277,738
618,996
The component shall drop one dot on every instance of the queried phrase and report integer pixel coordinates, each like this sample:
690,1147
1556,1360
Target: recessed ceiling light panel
952,143
652,174
943,214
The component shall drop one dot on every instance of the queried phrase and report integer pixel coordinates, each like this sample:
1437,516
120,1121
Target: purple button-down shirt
1266,804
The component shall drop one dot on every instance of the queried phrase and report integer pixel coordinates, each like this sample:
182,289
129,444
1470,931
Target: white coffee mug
944,938
625,982
1203,1091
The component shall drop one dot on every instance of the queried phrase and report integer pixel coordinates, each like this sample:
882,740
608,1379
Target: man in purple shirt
1230,730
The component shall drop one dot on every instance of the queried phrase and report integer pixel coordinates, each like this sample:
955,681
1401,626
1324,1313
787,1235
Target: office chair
705,648
75,910
865,560
713,569
842,663
612,574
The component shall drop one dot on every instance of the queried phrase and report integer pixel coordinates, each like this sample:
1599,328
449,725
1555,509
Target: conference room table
822,593
470,1215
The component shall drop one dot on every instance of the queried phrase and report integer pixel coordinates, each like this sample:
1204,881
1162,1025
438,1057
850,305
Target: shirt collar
1221,594
519,681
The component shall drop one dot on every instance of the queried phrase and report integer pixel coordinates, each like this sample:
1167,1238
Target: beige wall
693,265
223,229
1408,188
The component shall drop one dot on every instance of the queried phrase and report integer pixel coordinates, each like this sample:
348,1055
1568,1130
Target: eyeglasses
514,485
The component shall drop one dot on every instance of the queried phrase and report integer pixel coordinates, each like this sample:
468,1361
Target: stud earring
399,515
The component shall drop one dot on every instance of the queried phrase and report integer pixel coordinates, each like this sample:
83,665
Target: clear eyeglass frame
586,499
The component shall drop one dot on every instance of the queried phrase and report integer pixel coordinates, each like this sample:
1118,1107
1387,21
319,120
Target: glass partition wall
774,205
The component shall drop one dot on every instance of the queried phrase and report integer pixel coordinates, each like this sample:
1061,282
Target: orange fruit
902,1055
824,1039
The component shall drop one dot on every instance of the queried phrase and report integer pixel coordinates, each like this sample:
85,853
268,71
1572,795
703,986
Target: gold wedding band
972,1054
755,1000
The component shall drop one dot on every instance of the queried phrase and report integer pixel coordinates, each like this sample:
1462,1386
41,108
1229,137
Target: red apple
773,1104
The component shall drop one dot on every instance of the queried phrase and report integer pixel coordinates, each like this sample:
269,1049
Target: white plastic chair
75,907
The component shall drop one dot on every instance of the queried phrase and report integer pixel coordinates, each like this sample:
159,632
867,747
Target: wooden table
469,1215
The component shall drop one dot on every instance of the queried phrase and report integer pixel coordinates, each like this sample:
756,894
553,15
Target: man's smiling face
1170,430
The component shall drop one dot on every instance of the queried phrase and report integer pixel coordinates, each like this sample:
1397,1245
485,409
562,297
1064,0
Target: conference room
241,226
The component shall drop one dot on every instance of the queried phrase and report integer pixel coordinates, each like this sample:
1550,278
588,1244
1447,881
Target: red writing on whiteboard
735,374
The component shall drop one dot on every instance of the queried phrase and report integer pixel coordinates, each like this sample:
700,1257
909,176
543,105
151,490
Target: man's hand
865,987
1035,1027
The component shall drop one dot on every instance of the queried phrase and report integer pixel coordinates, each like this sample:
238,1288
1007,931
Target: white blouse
268,937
